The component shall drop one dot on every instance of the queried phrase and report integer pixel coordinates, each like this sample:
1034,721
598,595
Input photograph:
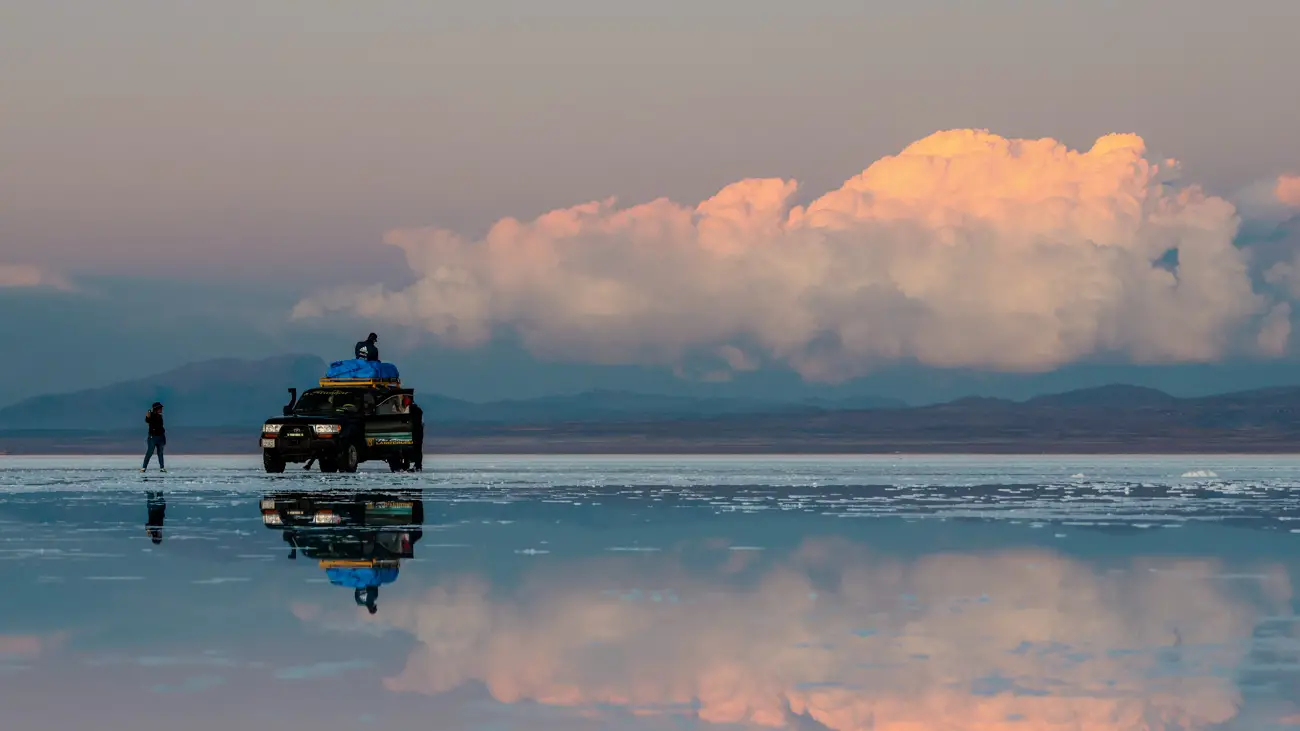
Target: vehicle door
391,424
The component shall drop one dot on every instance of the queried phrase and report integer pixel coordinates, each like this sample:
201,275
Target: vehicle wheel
349,458
397,464
329,465
272,461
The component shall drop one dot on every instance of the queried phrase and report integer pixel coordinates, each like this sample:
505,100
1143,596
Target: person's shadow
157,513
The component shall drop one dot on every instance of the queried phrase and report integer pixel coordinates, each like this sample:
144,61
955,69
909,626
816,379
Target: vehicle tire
272,461
349,458
397,464
329,465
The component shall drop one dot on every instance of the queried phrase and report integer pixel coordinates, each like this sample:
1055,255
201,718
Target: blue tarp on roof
361,578
362,370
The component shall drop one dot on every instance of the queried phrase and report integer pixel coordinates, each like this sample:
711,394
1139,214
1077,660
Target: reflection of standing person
157,514
417,434
157,436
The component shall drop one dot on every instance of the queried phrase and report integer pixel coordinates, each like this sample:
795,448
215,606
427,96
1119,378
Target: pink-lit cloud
966,249
1288,190
1280,206
1021,639
28,276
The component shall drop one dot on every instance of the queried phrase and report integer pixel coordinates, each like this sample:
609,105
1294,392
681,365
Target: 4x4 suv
342,424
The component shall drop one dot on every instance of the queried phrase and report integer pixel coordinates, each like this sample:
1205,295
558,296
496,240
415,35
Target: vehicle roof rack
374,563
360,383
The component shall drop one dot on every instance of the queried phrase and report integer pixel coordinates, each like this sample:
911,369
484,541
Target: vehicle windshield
330,403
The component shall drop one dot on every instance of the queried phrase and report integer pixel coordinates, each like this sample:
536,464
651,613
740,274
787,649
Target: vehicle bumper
300,449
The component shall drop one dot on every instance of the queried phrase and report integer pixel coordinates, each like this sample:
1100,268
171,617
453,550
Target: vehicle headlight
271,519
326,517
326,428
271,428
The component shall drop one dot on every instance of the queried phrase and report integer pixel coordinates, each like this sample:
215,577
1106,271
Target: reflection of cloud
29,646
321,669
208,659
855,642
20,645
194,684
965,249
351,623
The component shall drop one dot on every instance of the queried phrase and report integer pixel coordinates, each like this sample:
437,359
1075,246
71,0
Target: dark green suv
341,425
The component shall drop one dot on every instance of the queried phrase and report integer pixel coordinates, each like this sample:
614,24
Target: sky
722,196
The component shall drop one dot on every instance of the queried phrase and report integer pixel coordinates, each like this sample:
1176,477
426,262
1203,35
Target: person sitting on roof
367,349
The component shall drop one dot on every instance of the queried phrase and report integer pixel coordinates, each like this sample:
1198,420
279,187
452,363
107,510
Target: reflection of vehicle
358,538
344,422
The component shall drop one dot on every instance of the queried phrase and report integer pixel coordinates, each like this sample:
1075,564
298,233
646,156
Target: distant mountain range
213,407
230,392
221,392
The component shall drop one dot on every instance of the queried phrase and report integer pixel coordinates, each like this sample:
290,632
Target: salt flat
654,592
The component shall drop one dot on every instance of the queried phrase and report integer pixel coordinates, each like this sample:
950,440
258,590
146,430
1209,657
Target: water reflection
852,639
358,538
156,505
569,606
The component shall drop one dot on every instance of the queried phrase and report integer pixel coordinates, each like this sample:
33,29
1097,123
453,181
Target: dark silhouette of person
157,507
370,599
367,349
417,434
157,436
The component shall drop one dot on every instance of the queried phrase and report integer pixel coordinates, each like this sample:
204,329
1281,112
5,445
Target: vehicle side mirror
293,399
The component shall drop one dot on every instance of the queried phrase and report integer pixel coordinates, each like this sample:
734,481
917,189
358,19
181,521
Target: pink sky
149,137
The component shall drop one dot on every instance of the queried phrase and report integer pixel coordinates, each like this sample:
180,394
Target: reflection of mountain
852,640
358,538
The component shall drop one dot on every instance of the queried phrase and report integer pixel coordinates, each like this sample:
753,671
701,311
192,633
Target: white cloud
966,249
1276,330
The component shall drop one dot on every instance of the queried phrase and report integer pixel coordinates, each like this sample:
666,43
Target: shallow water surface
557,593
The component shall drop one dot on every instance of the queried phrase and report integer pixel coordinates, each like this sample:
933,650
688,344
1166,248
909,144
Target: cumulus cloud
28,276
1276,330
852,640
1288,190
1275,209
964,250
